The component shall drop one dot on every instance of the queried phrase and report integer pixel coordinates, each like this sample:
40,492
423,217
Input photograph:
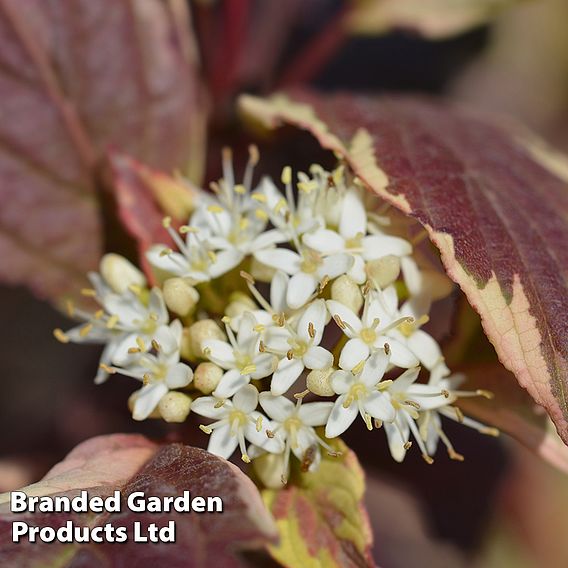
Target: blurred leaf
433,19
74,78
321,518
496,212
131,463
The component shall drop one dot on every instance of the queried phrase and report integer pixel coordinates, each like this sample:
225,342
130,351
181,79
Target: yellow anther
112,321
248,369
407,445
490,431
454,455
240,189
261,347
89,292
205,429
359,367
146,378
215,209
70,308
219,403
261,214
212,256
166,252
99,314
286,175
85,330
259,328
289,354
427,459
311,330
307,186
107,369
167,222
60,335
260,197
270,434
339,321
247,277
282,204
141,344
155,345
485,394
133,350
254,155
259,424
226,320
245,458
244,223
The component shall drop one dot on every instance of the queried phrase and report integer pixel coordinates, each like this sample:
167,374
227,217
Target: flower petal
315,413
377,246
340,418
265,364
352,320
278,288
179,375
341,381
324,240
379,406
220,352
279,258
353,220
335,265
147,399
286,375
425,347
278,408
222,442
246,399
207,406
315,314
173,263
400,355
316,357
224,261
397,438
353,352
374,368
300,288
230,383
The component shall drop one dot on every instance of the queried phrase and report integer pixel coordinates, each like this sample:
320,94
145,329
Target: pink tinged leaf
74,78
131,463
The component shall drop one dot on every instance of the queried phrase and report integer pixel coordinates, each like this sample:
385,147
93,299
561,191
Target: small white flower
359,394
236,420
124,319
293,424
304,349
240,357
368,333
408,333
308,270
160,373
351,237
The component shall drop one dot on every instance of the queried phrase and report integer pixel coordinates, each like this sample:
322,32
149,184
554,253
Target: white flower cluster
337,314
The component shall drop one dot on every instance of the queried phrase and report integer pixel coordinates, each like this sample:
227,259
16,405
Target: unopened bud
345,290
174,406
119,273
180,296
206,377
270,470
239,303
199,332
260,271
384,271
132,399
318,381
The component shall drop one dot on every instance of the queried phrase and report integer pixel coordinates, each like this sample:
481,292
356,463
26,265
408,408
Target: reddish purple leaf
131,463
494,204
75,77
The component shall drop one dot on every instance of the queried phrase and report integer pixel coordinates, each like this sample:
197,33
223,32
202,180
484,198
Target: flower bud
318,381
345,290
206,377
180,296
132,399
238,304
270,469
260,271
174,406
119,273
384,271
200,331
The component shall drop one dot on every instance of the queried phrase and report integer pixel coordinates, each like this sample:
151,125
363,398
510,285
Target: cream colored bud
180,296
239,303
119,273
318,381
345,290
200,331
270,469
174,406
206,377
260,271
385,270
132,399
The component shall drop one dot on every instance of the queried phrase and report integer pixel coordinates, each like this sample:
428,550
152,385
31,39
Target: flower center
368,335
244,363
292,425
354,242
299,348
310,262
356,392
237,419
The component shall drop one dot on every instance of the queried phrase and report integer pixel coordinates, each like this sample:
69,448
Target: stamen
61,336
205,429
301,395
89,292
156,346
112,321
141,344
107,369
248,277
85,330
311,330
